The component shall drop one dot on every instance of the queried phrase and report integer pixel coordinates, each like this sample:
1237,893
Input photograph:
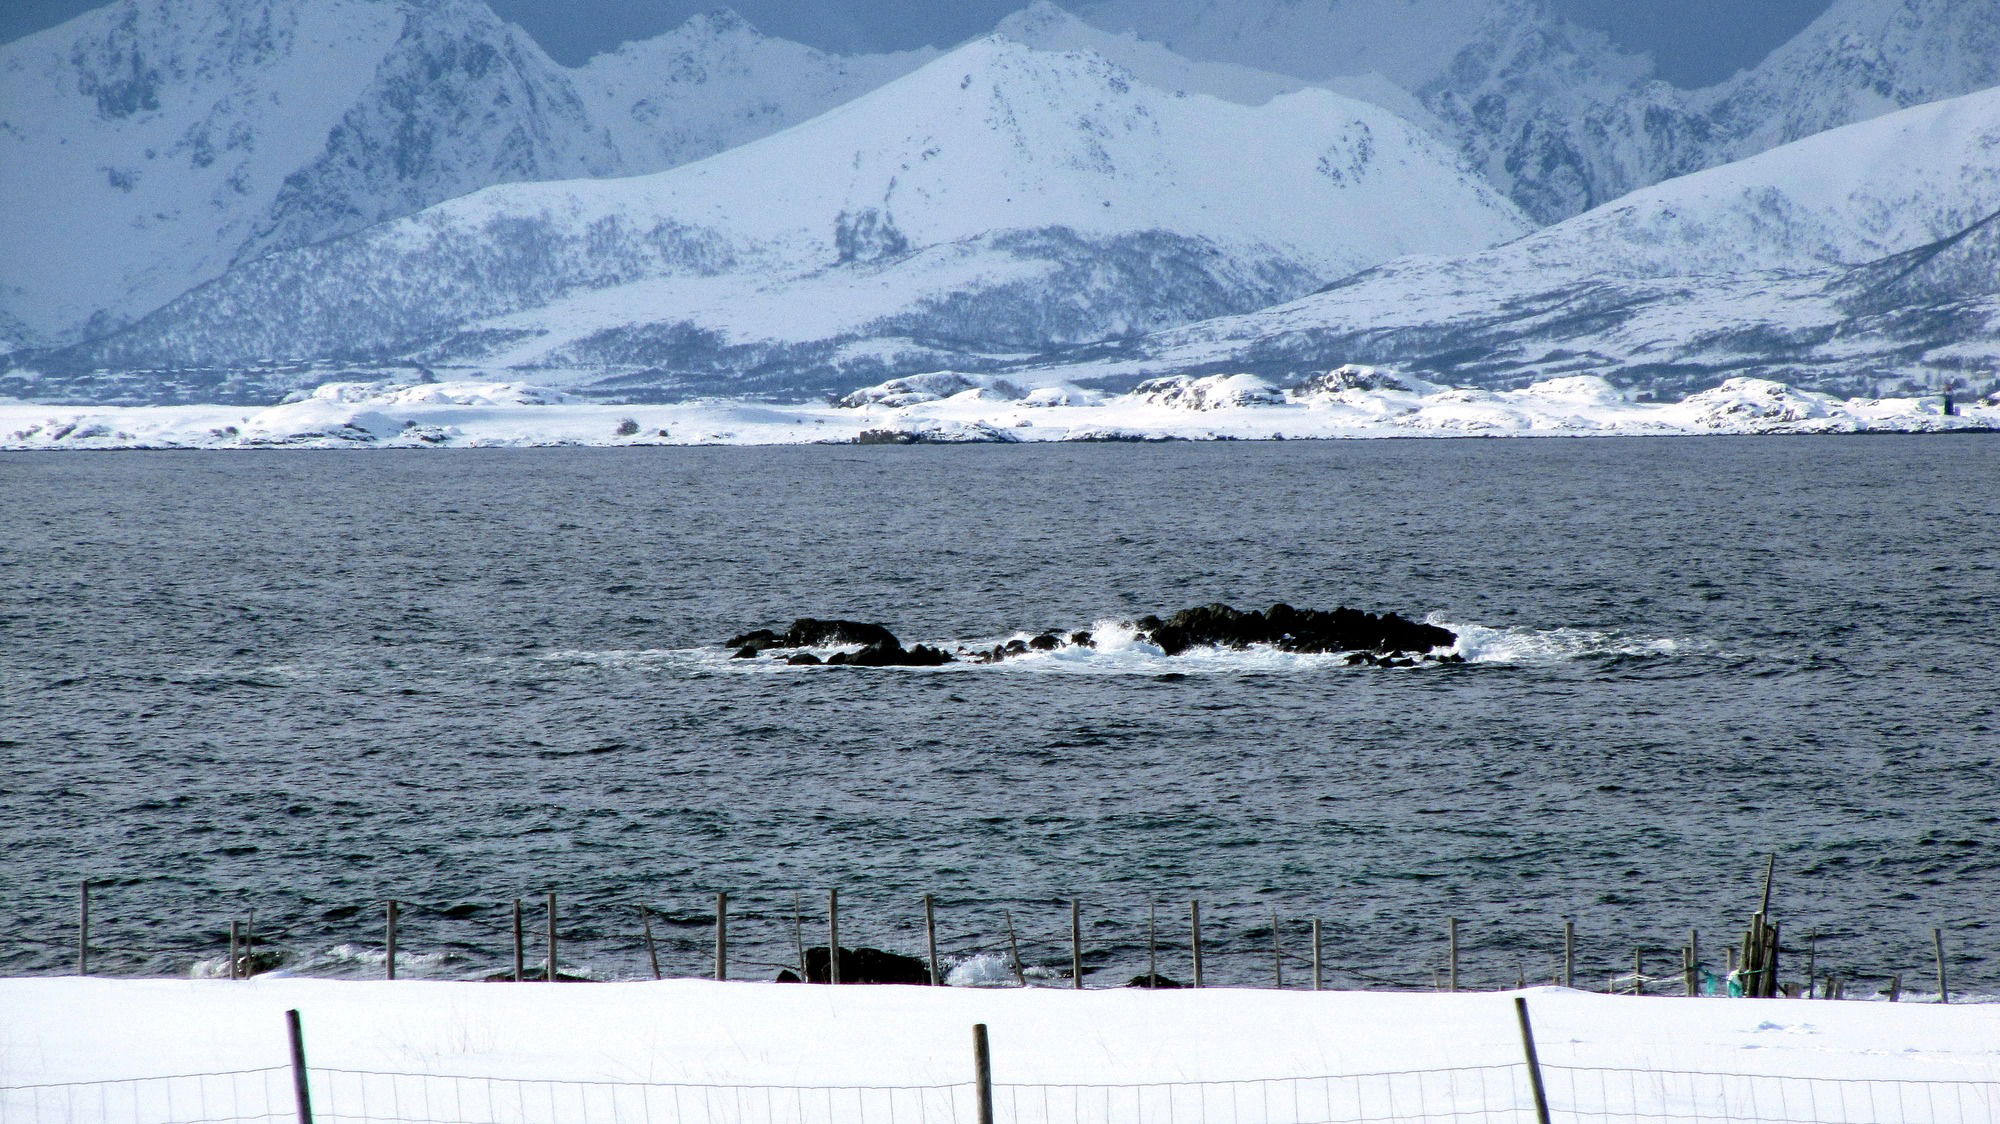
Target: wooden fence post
83,927
301,1089
1694,963
1152,944
930,938
551,973
1812,956
1014,948
1451,940
389,961
799,935
721,936
652,950
1316,955
1569,953
833,936
235,935
1075,944
1277,954
1194,924
1937,946
1534,1061
982,1072
520,944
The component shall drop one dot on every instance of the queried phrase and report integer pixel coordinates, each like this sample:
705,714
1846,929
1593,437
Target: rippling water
296,684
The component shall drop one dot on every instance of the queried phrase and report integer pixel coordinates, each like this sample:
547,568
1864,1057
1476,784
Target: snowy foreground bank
1809,1060
1351,402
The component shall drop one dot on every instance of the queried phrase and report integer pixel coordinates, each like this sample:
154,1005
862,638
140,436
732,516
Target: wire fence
1493,1094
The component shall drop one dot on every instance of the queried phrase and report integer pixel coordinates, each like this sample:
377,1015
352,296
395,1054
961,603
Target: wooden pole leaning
1937,946
301,1088
930,938
833,936
1534,1061
652,950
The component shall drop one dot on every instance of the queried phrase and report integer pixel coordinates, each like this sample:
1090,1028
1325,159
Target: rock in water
862,966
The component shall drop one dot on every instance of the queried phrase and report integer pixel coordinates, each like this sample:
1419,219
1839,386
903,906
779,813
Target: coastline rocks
861,966
1293,630
1383,640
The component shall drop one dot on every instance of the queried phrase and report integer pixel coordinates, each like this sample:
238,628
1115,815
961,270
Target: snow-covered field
693,1033
946,407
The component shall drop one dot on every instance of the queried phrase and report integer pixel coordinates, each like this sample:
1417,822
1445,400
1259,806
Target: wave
1118,649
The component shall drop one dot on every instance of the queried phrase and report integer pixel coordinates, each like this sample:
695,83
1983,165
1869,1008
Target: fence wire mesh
1495,1094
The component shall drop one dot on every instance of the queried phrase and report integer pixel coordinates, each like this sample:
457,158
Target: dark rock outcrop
1155,981
1293,630
862,966
1384,640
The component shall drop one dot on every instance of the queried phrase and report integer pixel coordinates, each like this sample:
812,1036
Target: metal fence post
1534,1061
982,1068
301,1091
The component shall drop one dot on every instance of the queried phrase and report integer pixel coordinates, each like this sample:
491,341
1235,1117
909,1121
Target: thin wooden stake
833,936
301,1088
799,935
1014,948
1638,972
1152,944
83,928
389,961
1316,955
1694,963
1569,954
235,934
652,950
1937,945
1895,989
1812,954
1194,923
1277,954
930,938
721,936
982,1073
1770,868
552,974
1076,944
1534,1061
520,944
250,945
1451,975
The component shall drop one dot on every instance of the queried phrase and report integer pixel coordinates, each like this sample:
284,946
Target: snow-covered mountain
716,82
1561,119
147,146
1000,200
1867,254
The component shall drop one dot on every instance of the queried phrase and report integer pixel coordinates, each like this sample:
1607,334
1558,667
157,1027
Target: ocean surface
279,688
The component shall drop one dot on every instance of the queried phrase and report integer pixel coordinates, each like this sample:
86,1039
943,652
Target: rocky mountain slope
1561,119
1860,257
999,200
148,146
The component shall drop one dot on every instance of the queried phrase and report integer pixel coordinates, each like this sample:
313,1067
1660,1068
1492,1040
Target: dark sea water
295,684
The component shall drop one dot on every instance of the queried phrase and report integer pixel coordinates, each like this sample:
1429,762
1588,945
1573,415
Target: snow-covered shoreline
69,1029
1351,402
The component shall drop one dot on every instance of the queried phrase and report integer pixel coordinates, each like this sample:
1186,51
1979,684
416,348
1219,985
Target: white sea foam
1117,649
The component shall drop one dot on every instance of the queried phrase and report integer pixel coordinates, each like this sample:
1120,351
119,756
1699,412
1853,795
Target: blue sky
1695,41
